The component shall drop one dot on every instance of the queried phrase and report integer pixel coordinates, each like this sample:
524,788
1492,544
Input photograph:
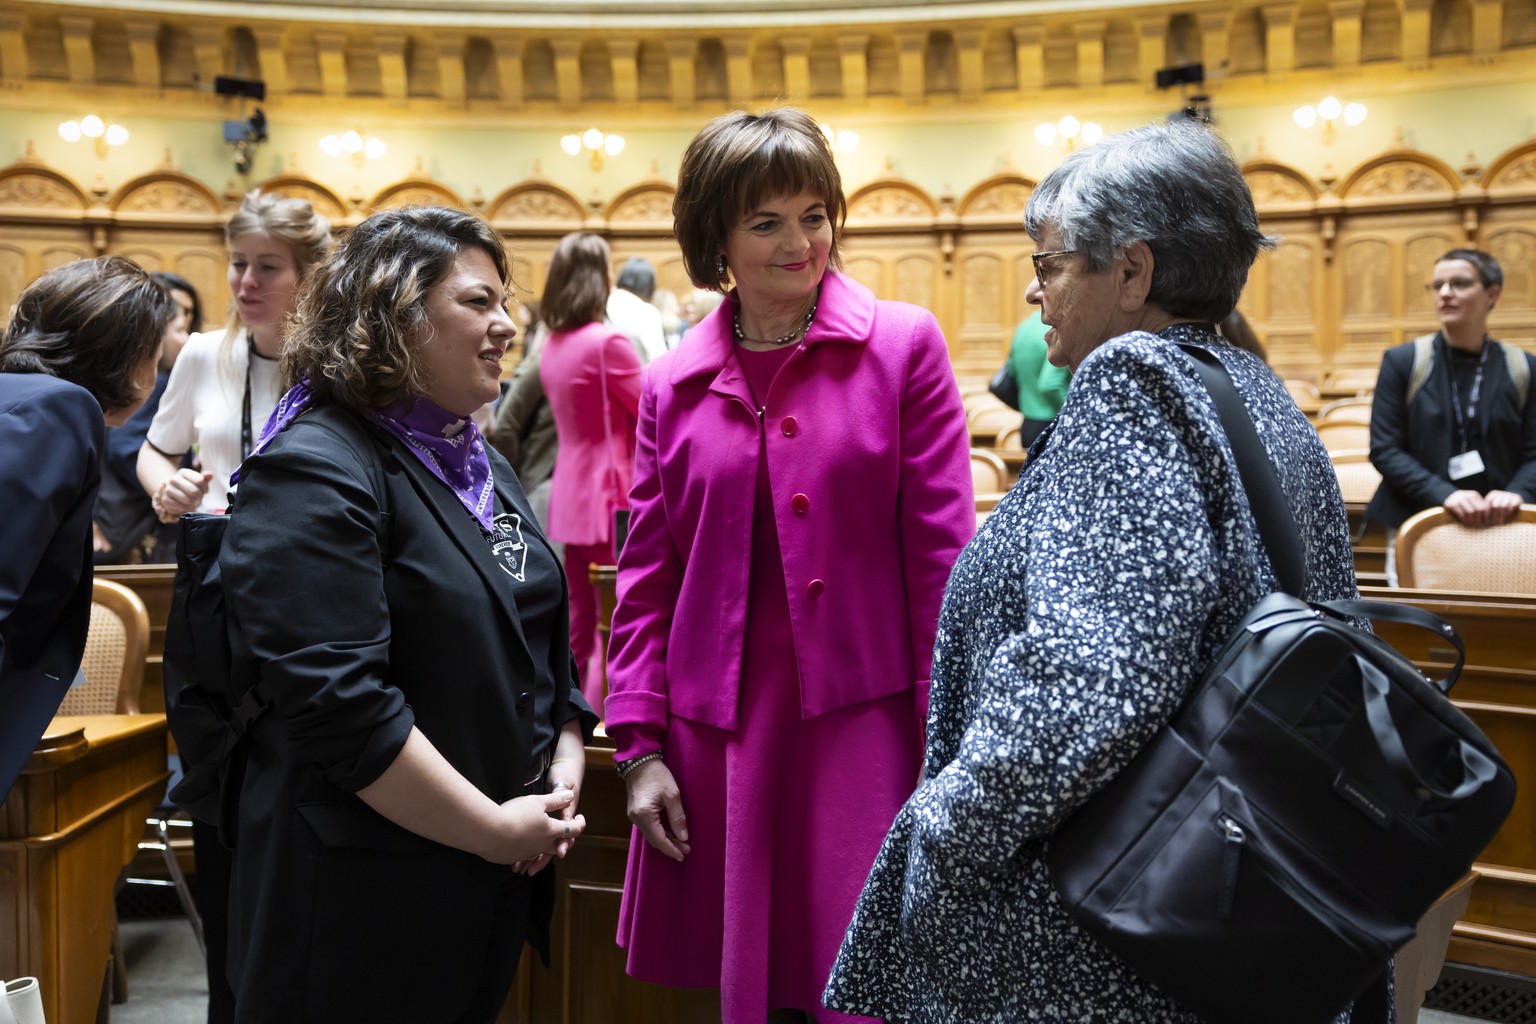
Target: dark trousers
215,863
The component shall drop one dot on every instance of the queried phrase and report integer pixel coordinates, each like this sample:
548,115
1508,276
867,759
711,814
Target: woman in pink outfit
802,488
591,376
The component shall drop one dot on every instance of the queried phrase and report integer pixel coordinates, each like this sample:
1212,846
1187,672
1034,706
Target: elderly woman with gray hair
1093,598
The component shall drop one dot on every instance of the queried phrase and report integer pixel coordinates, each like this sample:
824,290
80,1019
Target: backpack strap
1519,371
1423,363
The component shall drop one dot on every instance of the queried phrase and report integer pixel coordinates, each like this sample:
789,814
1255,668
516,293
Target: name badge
1466,464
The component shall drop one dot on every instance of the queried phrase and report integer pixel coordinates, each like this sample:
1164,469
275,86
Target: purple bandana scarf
459,461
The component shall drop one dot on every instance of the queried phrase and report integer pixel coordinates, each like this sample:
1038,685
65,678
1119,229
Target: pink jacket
870,471
589,481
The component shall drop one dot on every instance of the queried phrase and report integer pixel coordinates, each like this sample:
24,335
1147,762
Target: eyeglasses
1041,271
1457,285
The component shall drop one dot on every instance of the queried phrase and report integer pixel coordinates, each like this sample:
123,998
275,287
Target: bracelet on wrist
623,768
157,502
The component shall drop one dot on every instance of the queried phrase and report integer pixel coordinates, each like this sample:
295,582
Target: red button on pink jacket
870,469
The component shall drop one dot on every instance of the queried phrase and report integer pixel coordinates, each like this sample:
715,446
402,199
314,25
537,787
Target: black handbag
1272,846
1005,386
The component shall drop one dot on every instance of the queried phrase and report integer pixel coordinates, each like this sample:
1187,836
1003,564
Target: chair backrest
1343,436
989,474
1358,479
1010,439
1346,410
1361,382
1436,552
994,420
115,649
1302,391
984,401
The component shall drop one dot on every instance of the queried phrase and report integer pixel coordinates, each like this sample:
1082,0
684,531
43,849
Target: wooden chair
989,474
1361,382
1343,436
1346,410
1304,392
1436,552
1358,479
1010,439
991,421
115,649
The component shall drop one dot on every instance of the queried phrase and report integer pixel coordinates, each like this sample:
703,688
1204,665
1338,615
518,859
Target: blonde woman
225,382
221,390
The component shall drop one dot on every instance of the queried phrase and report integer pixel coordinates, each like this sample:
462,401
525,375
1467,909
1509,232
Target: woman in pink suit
591,376
802,488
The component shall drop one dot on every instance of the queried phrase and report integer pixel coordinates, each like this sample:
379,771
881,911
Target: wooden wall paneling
645,208
416,191
1509,234
14,274
991,274
325,201
867,268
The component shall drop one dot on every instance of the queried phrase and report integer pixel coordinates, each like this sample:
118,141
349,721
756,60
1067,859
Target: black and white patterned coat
1074,622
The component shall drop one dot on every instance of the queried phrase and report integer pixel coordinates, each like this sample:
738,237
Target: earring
719,266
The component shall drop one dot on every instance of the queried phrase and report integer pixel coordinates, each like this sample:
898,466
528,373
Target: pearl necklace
794,335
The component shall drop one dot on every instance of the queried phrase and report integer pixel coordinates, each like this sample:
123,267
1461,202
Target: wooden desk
585,981
71,823
1497,690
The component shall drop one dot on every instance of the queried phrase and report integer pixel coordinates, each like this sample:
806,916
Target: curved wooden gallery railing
1345,283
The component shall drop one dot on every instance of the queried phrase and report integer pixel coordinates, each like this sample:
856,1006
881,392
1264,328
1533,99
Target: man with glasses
1451,423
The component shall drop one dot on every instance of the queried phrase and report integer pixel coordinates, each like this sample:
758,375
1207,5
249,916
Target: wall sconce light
1070,131
597,142
843,141
98,131
1329,111
358,146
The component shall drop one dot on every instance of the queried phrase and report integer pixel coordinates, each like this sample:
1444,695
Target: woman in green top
1042,387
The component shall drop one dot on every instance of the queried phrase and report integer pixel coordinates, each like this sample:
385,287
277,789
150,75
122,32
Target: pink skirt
785,817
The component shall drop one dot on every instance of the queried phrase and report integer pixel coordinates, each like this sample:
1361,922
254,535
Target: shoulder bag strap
1277,528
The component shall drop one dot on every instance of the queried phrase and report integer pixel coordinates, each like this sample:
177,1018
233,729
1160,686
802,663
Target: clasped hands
1491,509
550,819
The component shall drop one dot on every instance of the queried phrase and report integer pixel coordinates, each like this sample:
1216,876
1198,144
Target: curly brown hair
93,323
361,313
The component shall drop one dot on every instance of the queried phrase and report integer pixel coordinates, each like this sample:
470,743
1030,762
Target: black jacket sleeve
303,571
1414,483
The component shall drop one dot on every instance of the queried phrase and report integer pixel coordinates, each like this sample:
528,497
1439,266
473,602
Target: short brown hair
93,323
735,163
362,312
576,291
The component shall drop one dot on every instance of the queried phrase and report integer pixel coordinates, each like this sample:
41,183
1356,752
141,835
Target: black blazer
339,914
1412,444
51,438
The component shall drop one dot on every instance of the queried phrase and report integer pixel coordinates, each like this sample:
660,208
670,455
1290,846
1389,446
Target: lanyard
245,404
1463,431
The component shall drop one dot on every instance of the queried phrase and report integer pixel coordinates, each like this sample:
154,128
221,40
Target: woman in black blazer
79,356
422,759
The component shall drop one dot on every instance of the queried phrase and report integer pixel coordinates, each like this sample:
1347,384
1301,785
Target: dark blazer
338,914
124,513
51,438
1411,444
